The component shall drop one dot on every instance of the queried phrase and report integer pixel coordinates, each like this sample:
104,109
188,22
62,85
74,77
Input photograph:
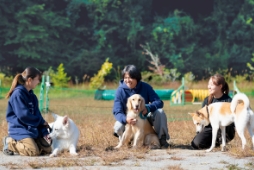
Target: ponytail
210,99
18,79
21,78
225,88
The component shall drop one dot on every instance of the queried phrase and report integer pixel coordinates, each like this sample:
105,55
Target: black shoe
163,142
115,134
6,151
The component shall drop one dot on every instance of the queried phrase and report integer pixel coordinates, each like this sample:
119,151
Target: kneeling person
132,84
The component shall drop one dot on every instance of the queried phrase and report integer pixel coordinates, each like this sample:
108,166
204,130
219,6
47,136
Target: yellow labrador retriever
142,132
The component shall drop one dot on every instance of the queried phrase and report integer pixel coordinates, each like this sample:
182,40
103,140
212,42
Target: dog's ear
129,105
142,104
192,114
65,121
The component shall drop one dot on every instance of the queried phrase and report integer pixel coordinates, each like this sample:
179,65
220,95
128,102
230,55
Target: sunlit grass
95,121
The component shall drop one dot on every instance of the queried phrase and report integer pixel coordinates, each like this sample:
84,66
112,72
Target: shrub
97,82
59,79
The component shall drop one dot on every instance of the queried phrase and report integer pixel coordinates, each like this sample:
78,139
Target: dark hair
21,78
132,71
218,79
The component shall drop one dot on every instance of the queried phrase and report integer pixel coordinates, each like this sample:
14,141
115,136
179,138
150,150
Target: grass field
95,121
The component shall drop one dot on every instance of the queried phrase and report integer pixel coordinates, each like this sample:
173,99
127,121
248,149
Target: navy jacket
123,92
23,115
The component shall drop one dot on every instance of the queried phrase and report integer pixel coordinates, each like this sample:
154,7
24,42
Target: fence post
183,89
41,100
0,89
47,92
236,88
178,95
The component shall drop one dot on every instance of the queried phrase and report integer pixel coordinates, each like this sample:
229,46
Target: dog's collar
142,116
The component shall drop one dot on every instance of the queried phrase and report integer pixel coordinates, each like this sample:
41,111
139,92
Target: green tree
60,78
97,81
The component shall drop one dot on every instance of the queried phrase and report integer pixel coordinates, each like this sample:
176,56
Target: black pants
203,139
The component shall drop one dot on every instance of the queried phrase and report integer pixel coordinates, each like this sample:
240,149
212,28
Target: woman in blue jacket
132,84
26,126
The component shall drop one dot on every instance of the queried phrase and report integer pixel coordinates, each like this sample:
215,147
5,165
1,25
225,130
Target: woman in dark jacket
26,126
218,89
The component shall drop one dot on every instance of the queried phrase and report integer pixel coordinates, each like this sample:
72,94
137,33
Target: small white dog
64,135
142,132
222,114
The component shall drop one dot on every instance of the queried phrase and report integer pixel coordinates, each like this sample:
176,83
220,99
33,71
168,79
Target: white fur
241,119
64,135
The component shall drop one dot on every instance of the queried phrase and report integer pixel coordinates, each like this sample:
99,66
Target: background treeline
201,37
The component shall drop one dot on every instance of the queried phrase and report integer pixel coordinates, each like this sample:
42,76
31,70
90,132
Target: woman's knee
28,147
29,151
158,114
119,128
201,142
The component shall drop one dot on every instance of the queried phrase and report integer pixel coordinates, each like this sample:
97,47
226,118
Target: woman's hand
144,112
131,121
46,124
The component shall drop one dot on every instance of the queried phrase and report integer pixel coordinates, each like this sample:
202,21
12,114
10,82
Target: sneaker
163,142
6,151
115,134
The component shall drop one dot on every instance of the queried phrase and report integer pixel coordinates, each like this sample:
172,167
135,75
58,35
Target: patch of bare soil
176,158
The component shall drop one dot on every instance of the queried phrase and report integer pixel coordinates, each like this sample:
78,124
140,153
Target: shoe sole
6,151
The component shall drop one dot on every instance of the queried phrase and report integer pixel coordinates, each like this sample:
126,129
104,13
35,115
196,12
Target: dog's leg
125,137
54,153
152,141
251,127
240,126
138,139
223,136
251,132
214,135
121,140
72,149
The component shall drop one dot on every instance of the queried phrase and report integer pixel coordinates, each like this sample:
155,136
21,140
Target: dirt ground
173,159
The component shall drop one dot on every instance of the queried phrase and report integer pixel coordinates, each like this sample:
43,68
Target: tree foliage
59,78
97,81
82,34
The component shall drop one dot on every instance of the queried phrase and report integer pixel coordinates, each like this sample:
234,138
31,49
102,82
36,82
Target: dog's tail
239,97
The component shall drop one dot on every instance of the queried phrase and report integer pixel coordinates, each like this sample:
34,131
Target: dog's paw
74,153
154,147
52,155
117,147
223,148
208,150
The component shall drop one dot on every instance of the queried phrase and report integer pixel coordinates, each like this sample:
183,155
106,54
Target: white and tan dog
142,132
222,114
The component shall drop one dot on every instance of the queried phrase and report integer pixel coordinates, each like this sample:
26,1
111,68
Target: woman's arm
25,113
118,108
154,101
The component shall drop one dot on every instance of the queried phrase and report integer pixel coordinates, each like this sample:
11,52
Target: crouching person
132,84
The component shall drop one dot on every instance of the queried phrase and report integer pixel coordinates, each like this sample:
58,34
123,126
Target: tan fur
222,114
225,109
142,132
